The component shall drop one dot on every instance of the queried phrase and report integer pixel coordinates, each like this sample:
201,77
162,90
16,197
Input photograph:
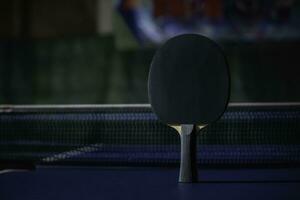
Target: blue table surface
149,183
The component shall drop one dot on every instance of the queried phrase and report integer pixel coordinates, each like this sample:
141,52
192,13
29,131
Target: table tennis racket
188,89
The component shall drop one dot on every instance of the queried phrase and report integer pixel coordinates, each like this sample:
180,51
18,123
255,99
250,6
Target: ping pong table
122,151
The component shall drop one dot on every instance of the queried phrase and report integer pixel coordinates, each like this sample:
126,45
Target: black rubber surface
189,81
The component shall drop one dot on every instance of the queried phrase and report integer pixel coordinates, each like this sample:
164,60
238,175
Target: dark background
85,52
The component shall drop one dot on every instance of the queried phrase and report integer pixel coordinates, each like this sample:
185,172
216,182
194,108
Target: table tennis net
130,135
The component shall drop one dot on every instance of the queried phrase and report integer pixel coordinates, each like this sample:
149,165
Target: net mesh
132,135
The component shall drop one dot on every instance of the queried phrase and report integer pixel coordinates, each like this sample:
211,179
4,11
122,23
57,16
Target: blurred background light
99,51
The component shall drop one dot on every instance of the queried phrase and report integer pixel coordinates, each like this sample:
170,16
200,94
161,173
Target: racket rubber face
189,81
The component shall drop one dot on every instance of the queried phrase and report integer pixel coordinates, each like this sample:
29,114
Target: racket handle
188,161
